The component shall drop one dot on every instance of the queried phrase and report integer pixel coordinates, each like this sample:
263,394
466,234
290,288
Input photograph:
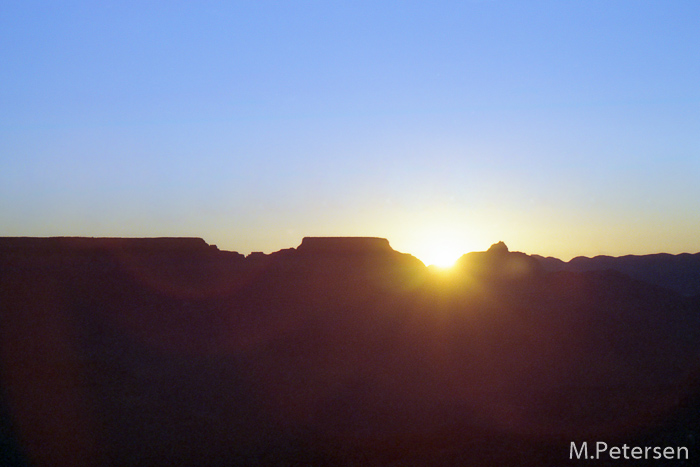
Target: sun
440,255
436,242
441,250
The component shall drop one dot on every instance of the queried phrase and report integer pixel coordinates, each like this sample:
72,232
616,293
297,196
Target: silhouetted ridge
339,352
345,245
680,273
498,248
174,244
499,263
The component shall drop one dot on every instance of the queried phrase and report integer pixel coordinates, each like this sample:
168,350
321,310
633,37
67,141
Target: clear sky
560,127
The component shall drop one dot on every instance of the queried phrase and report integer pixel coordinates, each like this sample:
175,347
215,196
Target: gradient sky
560,127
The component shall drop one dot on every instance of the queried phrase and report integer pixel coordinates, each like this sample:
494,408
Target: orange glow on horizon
439,256
438,247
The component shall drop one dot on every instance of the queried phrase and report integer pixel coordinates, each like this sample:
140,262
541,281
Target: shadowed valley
341,351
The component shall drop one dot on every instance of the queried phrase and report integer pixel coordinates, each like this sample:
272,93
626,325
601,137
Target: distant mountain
680,273
341,351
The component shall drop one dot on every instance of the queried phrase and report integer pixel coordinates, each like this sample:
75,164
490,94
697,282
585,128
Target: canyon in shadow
341,351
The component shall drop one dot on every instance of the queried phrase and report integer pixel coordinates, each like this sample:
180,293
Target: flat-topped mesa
344,245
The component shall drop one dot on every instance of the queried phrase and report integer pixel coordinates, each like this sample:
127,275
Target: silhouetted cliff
341,351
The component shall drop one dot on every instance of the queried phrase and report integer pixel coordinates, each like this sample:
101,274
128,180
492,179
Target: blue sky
560,127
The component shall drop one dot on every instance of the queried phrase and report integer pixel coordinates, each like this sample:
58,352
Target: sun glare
437,243
440,256
440,252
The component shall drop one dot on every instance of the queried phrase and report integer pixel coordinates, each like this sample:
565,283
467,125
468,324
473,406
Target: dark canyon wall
341,351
